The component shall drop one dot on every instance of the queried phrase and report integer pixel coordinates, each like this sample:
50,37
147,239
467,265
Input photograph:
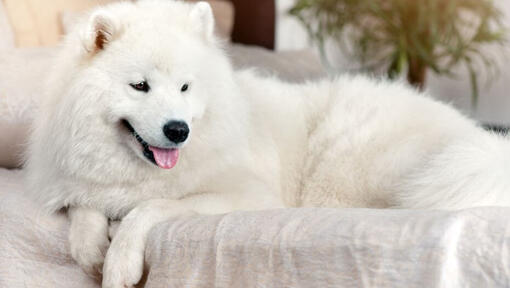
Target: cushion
38,23
20,86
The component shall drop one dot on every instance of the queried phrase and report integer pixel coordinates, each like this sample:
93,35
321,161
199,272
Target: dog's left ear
203,20
101,30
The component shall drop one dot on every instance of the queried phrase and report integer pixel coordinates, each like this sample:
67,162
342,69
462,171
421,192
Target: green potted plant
408,36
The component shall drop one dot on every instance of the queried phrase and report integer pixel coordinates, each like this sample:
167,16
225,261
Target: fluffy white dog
145,119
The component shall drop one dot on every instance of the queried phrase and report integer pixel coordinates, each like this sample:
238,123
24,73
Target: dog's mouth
165,158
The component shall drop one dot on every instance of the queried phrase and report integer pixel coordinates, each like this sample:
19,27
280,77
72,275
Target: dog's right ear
101,29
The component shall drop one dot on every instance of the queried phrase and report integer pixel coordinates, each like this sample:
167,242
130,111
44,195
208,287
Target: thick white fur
255,142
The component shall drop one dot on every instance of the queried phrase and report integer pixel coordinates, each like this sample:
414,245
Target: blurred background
489,104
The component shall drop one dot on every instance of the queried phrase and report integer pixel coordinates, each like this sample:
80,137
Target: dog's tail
469,172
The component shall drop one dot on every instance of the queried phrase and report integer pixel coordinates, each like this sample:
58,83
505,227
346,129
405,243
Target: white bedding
278,248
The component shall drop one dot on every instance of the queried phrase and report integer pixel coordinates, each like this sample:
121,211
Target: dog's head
152,65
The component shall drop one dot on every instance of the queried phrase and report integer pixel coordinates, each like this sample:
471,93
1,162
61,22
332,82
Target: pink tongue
165,158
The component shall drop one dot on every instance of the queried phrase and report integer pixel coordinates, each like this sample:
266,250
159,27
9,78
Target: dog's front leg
125,258
88,239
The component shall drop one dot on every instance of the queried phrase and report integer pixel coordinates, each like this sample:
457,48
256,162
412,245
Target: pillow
20,86
38,23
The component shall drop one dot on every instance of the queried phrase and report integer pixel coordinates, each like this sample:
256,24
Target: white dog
145,119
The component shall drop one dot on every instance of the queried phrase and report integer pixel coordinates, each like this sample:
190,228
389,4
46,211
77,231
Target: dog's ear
203,20
101,29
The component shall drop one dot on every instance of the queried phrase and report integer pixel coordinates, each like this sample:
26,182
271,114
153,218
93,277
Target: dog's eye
141,86
185,87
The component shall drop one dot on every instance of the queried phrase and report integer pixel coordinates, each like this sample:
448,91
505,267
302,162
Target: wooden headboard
254,22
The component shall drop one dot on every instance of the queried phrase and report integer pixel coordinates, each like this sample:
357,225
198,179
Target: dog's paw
124,261
89,251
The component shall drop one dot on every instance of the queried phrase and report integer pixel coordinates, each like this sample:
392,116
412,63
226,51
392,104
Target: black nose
176,131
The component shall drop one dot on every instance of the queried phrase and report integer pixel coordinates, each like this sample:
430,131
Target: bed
305,247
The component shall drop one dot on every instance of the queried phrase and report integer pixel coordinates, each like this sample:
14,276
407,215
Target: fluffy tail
467,173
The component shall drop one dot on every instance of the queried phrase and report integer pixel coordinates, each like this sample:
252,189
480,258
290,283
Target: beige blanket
278,248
